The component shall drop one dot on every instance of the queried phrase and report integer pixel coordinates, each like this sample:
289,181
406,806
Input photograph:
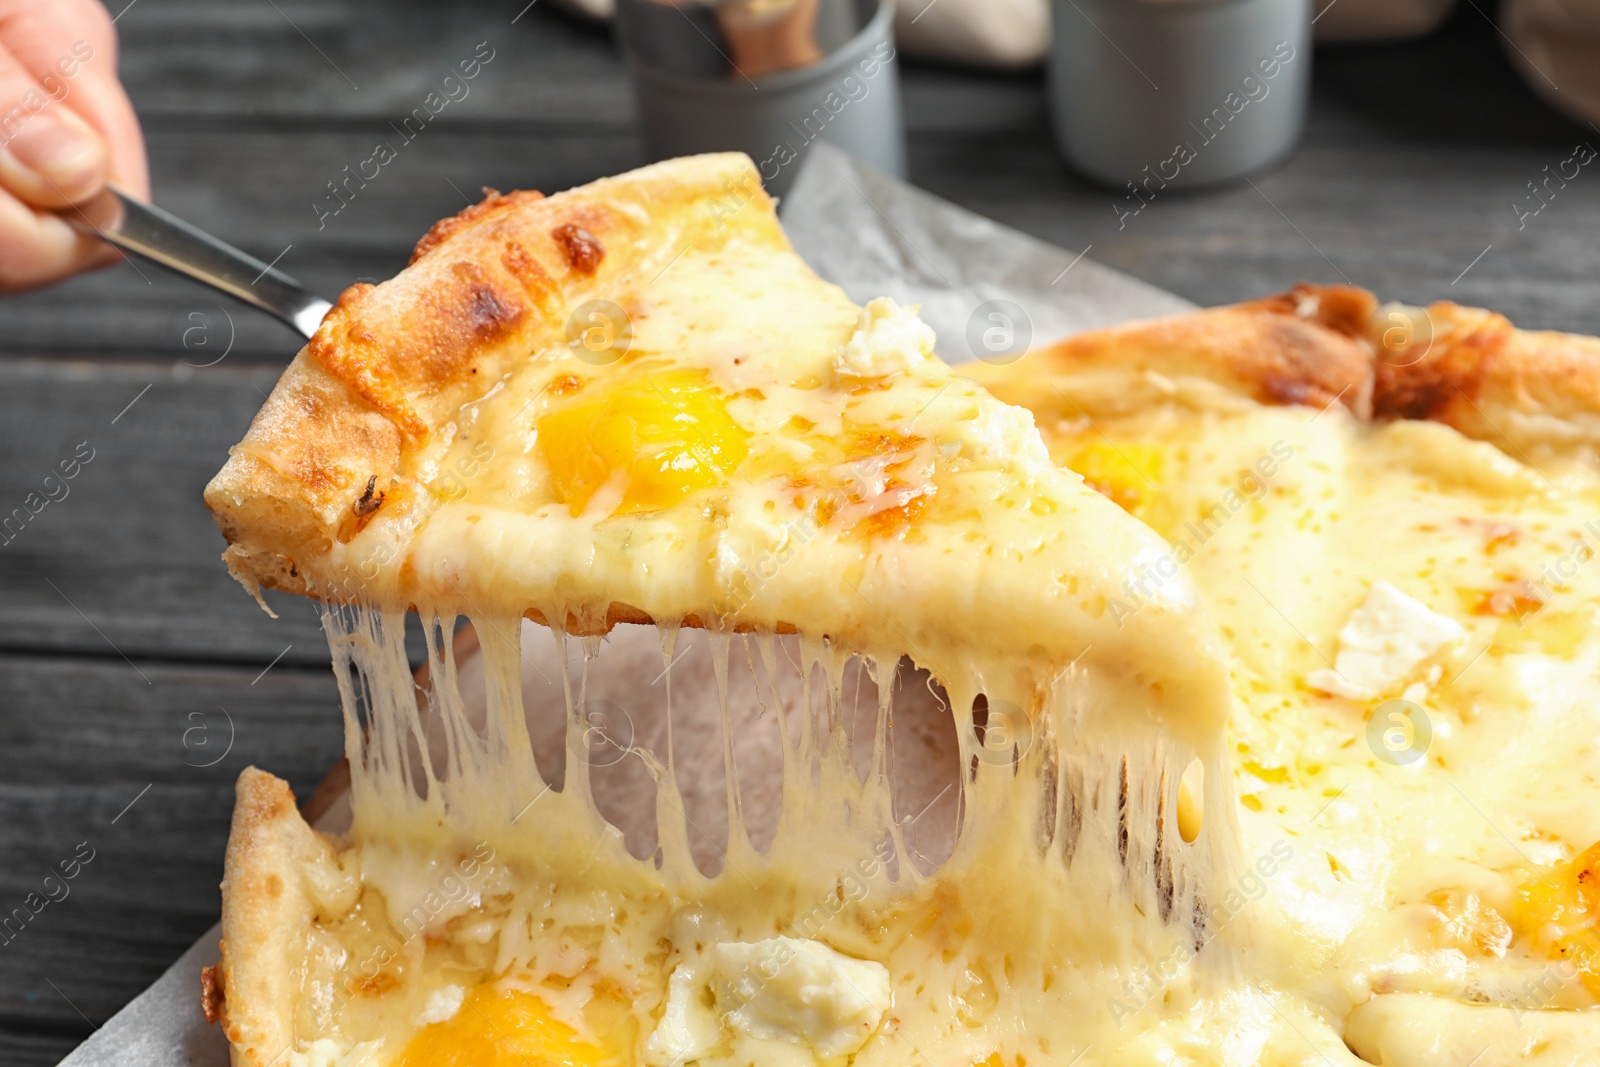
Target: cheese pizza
1251,665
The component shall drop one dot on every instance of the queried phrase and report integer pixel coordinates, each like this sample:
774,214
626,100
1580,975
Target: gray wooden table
136,679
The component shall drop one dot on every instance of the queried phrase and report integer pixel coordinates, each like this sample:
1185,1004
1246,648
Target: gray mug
1148,95
850,98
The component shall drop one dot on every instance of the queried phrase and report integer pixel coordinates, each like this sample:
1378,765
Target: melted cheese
1407,868
843,482
767,455
785,990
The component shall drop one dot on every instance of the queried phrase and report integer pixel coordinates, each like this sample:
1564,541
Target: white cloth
984,33
1340,21
1556,47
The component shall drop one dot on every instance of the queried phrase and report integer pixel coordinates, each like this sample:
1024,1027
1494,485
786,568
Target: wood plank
1405,219
1406,222
25,1045
126,562
345,59
1367,221
85,739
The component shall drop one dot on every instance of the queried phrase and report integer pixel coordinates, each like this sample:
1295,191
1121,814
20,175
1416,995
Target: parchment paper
874,236
877,236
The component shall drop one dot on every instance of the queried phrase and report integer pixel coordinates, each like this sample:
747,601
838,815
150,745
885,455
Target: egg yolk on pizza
661,436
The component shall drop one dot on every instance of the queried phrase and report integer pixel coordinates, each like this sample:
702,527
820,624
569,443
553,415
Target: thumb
50,158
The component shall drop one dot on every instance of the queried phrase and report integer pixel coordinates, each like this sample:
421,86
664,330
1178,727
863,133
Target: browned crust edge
1318,345
267,907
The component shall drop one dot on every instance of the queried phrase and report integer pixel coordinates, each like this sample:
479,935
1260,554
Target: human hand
66,129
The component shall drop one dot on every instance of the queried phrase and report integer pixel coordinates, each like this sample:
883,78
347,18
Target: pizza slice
633,403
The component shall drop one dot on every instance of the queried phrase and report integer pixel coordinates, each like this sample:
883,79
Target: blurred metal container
1148,95
768,78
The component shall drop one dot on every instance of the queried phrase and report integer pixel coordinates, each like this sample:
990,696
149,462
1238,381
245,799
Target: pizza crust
1517,389
279,875
1317,345
1306,346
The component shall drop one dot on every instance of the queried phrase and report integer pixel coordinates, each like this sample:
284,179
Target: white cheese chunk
888,339
442,1005
801,991
689,1026
782,989
1384,644
1002,431
325,1052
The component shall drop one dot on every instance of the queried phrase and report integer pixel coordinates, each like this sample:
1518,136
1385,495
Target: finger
39,248
70,47
49,156
106,106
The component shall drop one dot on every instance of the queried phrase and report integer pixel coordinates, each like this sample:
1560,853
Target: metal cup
694,99
1148,95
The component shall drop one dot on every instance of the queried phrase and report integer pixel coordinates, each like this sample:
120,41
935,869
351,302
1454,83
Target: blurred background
138,680
1413,158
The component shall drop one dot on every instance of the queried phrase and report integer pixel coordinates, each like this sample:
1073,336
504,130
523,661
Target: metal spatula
147,231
